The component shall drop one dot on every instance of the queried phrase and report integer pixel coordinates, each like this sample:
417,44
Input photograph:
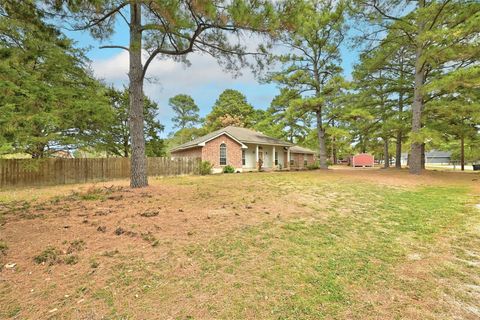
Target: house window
276,158
223,154
243,157
305,160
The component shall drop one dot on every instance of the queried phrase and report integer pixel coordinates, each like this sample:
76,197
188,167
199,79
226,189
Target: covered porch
272,157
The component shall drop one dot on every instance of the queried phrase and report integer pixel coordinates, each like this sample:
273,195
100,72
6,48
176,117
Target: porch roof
297,149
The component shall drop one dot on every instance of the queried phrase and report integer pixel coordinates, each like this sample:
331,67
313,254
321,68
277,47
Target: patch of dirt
147,223
108,225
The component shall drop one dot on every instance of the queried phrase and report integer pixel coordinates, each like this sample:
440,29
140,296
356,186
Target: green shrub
228,169
313,166
205,168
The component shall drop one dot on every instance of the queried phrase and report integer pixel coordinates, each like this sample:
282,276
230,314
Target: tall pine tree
168,29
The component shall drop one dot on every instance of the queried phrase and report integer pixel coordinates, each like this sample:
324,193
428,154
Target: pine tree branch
175,52
96,22
114,47
385,15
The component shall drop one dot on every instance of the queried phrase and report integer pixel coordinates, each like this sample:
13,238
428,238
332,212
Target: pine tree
48,97
116,139
311,62
384,79
456,115
186,111
443,34
168,29
283,120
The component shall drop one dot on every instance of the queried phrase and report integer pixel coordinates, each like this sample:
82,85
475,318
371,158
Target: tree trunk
321,140
125,148
398,146
462,153
417,106
138,174
363,144
424,159
398,150
334,151
385,154
331,150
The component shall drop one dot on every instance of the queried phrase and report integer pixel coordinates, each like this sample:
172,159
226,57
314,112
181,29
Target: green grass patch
307,269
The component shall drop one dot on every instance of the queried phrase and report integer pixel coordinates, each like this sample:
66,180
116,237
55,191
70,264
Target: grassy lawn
342,244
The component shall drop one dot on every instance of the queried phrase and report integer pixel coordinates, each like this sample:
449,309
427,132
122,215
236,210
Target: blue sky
204,80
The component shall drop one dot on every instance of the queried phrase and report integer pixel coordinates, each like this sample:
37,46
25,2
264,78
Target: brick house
301,157
244,149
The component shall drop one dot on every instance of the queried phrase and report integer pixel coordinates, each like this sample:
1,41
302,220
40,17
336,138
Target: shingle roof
241,134
297,149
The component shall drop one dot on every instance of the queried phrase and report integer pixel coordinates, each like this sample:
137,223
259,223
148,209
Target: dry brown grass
308,245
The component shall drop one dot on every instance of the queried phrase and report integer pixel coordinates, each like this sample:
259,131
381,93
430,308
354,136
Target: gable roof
241,135
297,149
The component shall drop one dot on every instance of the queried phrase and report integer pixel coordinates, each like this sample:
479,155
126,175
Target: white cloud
204,69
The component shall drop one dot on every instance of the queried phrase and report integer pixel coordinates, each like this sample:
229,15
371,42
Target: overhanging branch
114,47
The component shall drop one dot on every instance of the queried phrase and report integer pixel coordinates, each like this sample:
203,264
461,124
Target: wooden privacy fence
38,172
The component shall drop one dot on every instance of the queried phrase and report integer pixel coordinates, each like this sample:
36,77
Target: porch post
256,156
273,158
288,158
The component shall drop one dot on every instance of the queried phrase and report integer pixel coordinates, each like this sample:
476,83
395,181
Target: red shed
362,160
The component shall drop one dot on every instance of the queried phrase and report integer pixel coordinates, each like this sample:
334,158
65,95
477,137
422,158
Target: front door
260,159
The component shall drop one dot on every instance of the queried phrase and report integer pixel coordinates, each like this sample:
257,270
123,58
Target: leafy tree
116,140
186,111
48,98
443,34
168,29
231,108
310,64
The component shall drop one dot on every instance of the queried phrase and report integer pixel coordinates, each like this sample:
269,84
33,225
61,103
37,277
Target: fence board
39,172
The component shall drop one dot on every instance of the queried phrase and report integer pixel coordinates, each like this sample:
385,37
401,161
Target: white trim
270,144
202,144
273,157
288,158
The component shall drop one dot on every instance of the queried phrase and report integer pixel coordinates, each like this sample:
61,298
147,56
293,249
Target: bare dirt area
254,245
